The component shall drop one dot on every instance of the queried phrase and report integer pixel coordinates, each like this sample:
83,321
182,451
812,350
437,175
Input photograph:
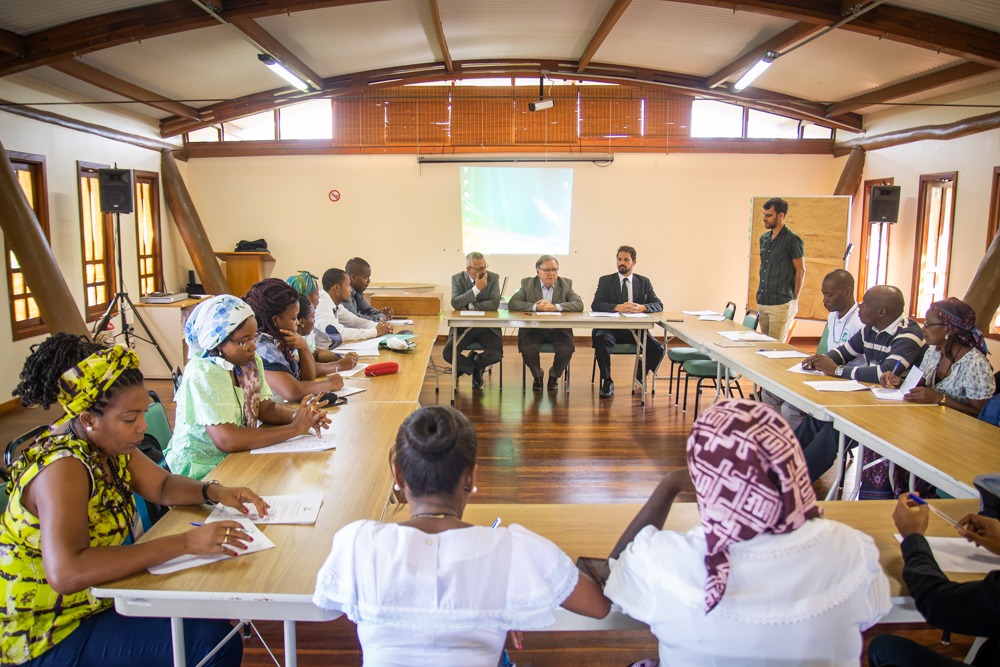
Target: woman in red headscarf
765,579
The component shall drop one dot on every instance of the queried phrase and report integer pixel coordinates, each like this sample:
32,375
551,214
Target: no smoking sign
334,195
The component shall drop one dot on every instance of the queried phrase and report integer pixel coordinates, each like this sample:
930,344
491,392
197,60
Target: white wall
61,149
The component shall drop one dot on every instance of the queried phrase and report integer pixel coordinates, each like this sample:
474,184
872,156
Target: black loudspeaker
117,195
884,204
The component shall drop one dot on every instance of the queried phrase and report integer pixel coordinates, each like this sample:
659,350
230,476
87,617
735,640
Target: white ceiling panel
982,13
84,92
25,17
478,29
205,64
840,65
685,38
357,38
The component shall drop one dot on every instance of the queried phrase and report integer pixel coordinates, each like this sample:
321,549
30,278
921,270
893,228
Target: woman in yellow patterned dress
71,512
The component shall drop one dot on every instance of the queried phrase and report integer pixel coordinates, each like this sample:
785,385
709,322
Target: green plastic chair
824,342
707,370
156,421
678,356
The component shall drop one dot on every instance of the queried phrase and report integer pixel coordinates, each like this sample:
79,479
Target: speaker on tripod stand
116,190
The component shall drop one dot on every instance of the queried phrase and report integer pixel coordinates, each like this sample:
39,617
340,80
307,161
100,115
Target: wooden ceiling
192,63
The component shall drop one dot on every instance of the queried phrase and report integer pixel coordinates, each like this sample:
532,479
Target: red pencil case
384,368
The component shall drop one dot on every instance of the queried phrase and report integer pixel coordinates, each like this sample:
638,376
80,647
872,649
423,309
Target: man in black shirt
782,271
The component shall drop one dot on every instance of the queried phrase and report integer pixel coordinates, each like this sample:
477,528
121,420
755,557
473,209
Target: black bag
151,448
260,245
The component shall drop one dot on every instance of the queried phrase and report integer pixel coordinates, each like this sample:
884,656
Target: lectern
243,269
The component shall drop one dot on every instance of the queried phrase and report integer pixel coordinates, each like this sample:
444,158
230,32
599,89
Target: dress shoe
607,388
477,378
536,384
553,383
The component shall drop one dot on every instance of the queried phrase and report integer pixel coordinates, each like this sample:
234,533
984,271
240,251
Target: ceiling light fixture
755,71
275,66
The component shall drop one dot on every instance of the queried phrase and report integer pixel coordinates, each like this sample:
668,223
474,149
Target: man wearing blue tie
624,292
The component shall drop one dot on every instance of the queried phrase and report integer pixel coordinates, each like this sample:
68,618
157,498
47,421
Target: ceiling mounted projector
540,105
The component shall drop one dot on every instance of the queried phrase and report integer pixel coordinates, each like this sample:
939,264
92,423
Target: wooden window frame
93,313
919,240
153,179
862,284
992,228
33,326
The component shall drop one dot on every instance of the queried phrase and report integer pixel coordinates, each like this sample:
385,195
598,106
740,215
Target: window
98,243
211,133
308,120
147,232
761,125
25,318
991,233
716,119
935,213
874,244
258,127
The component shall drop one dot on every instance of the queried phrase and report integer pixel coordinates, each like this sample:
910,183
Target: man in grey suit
546,293
475,289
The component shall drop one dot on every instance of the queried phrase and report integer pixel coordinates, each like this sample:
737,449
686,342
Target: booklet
297,508
260,543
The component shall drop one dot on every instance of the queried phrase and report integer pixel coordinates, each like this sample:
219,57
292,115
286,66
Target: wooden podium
243,269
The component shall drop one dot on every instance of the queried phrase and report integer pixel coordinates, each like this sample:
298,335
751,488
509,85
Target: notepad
782,354
364,348
955,554
641,316
309,442
836,385
296,508
745,336
260,543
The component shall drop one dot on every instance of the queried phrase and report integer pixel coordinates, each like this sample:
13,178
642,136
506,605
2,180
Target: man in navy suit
624,292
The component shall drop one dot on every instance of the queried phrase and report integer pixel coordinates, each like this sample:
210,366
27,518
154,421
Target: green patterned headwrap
82,385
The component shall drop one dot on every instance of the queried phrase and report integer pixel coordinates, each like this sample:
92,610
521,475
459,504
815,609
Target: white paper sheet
471,313
797,368
260,543
911,380
297,508
700,312
712,318
639,316
549,312
300,443
400,323
836,385
594,313
955,554
358,367
350,390
782,354
364,348
753,336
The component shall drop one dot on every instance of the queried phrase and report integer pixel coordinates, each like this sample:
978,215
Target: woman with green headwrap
71,516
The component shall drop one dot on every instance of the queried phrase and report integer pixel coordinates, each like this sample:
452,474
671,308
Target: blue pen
197,524
496,523
920,501
895,369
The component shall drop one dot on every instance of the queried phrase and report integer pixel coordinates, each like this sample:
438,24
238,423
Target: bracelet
204,492
944,397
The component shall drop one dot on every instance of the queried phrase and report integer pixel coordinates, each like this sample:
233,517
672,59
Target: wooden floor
546,447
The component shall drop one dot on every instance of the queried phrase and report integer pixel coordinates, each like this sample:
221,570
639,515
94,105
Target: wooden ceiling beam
442,42
275,48
12,43
95,77
898,24
910,87
782,40
610,20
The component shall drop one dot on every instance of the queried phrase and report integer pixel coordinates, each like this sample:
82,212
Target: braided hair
268,298
39,379
434,447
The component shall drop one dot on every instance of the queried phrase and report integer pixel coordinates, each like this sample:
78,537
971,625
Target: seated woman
327,361
764,580
955,374
289,367
71,512
224,393
435,590
306,284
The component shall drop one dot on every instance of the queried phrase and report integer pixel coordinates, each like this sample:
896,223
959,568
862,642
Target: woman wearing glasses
224,395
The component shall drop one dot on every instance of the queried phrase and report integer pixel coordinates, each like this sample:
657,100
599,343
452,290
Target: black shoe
477,378
607,388
553,383
536,384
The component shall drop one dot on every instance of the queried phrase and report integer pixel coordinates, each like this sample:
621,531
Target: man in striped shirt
887,342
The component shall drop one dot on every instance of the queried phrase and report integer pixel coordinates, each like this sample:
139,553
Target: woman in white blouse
764,580
436,590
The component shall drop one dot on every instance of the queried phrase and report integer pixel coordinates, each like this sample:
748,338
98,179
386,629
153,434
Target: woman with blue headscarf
224,395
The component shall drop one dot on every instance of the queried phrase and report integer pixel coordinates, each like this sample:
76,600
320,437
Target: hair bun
433,431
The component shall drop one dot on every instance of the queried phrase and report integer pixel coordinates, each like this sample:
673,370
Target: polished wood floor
546,447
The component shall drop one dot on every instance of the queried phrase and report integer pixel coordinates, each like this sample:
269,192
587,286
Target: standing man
335,325
360,272
475,289
624,292
782,271
546,293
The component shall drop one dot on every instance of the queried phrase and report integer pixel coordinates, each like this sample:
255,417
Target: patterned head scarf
961,321
750,478
304,283
81,386
211,322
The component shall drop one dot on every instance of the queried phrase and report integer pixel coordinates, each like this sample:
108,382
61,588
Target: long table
276,584
500,319
592,530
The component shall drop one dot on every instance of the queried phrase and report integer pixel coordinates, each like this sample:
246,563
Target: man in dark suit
475,289
546,293
624,292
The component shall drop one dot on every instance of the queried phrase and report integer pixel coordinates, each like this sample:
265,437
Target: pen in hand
920,501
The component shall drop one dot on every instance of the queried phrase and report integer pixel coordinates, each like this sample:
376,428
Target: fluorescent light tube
755,71
279,69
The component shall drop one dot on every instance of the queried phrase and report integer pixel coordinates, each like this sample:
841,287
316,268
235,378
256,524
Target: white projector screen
516,210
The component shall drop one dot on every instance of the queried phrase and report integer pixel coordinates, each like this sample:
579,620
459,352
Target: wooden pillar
189,224
984,290
39,267
854,170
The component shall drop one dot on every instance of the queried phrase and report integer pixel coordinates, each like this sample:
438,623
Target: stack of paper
594,313
364,348
471,313
643,316
260,543
300,443
836,385
298,508
399,323
782,354
753,336
549,312
700,312
712,318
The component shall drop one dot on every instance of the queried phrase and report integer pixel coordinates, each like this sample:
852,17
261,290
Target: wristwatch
839,371
204,492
